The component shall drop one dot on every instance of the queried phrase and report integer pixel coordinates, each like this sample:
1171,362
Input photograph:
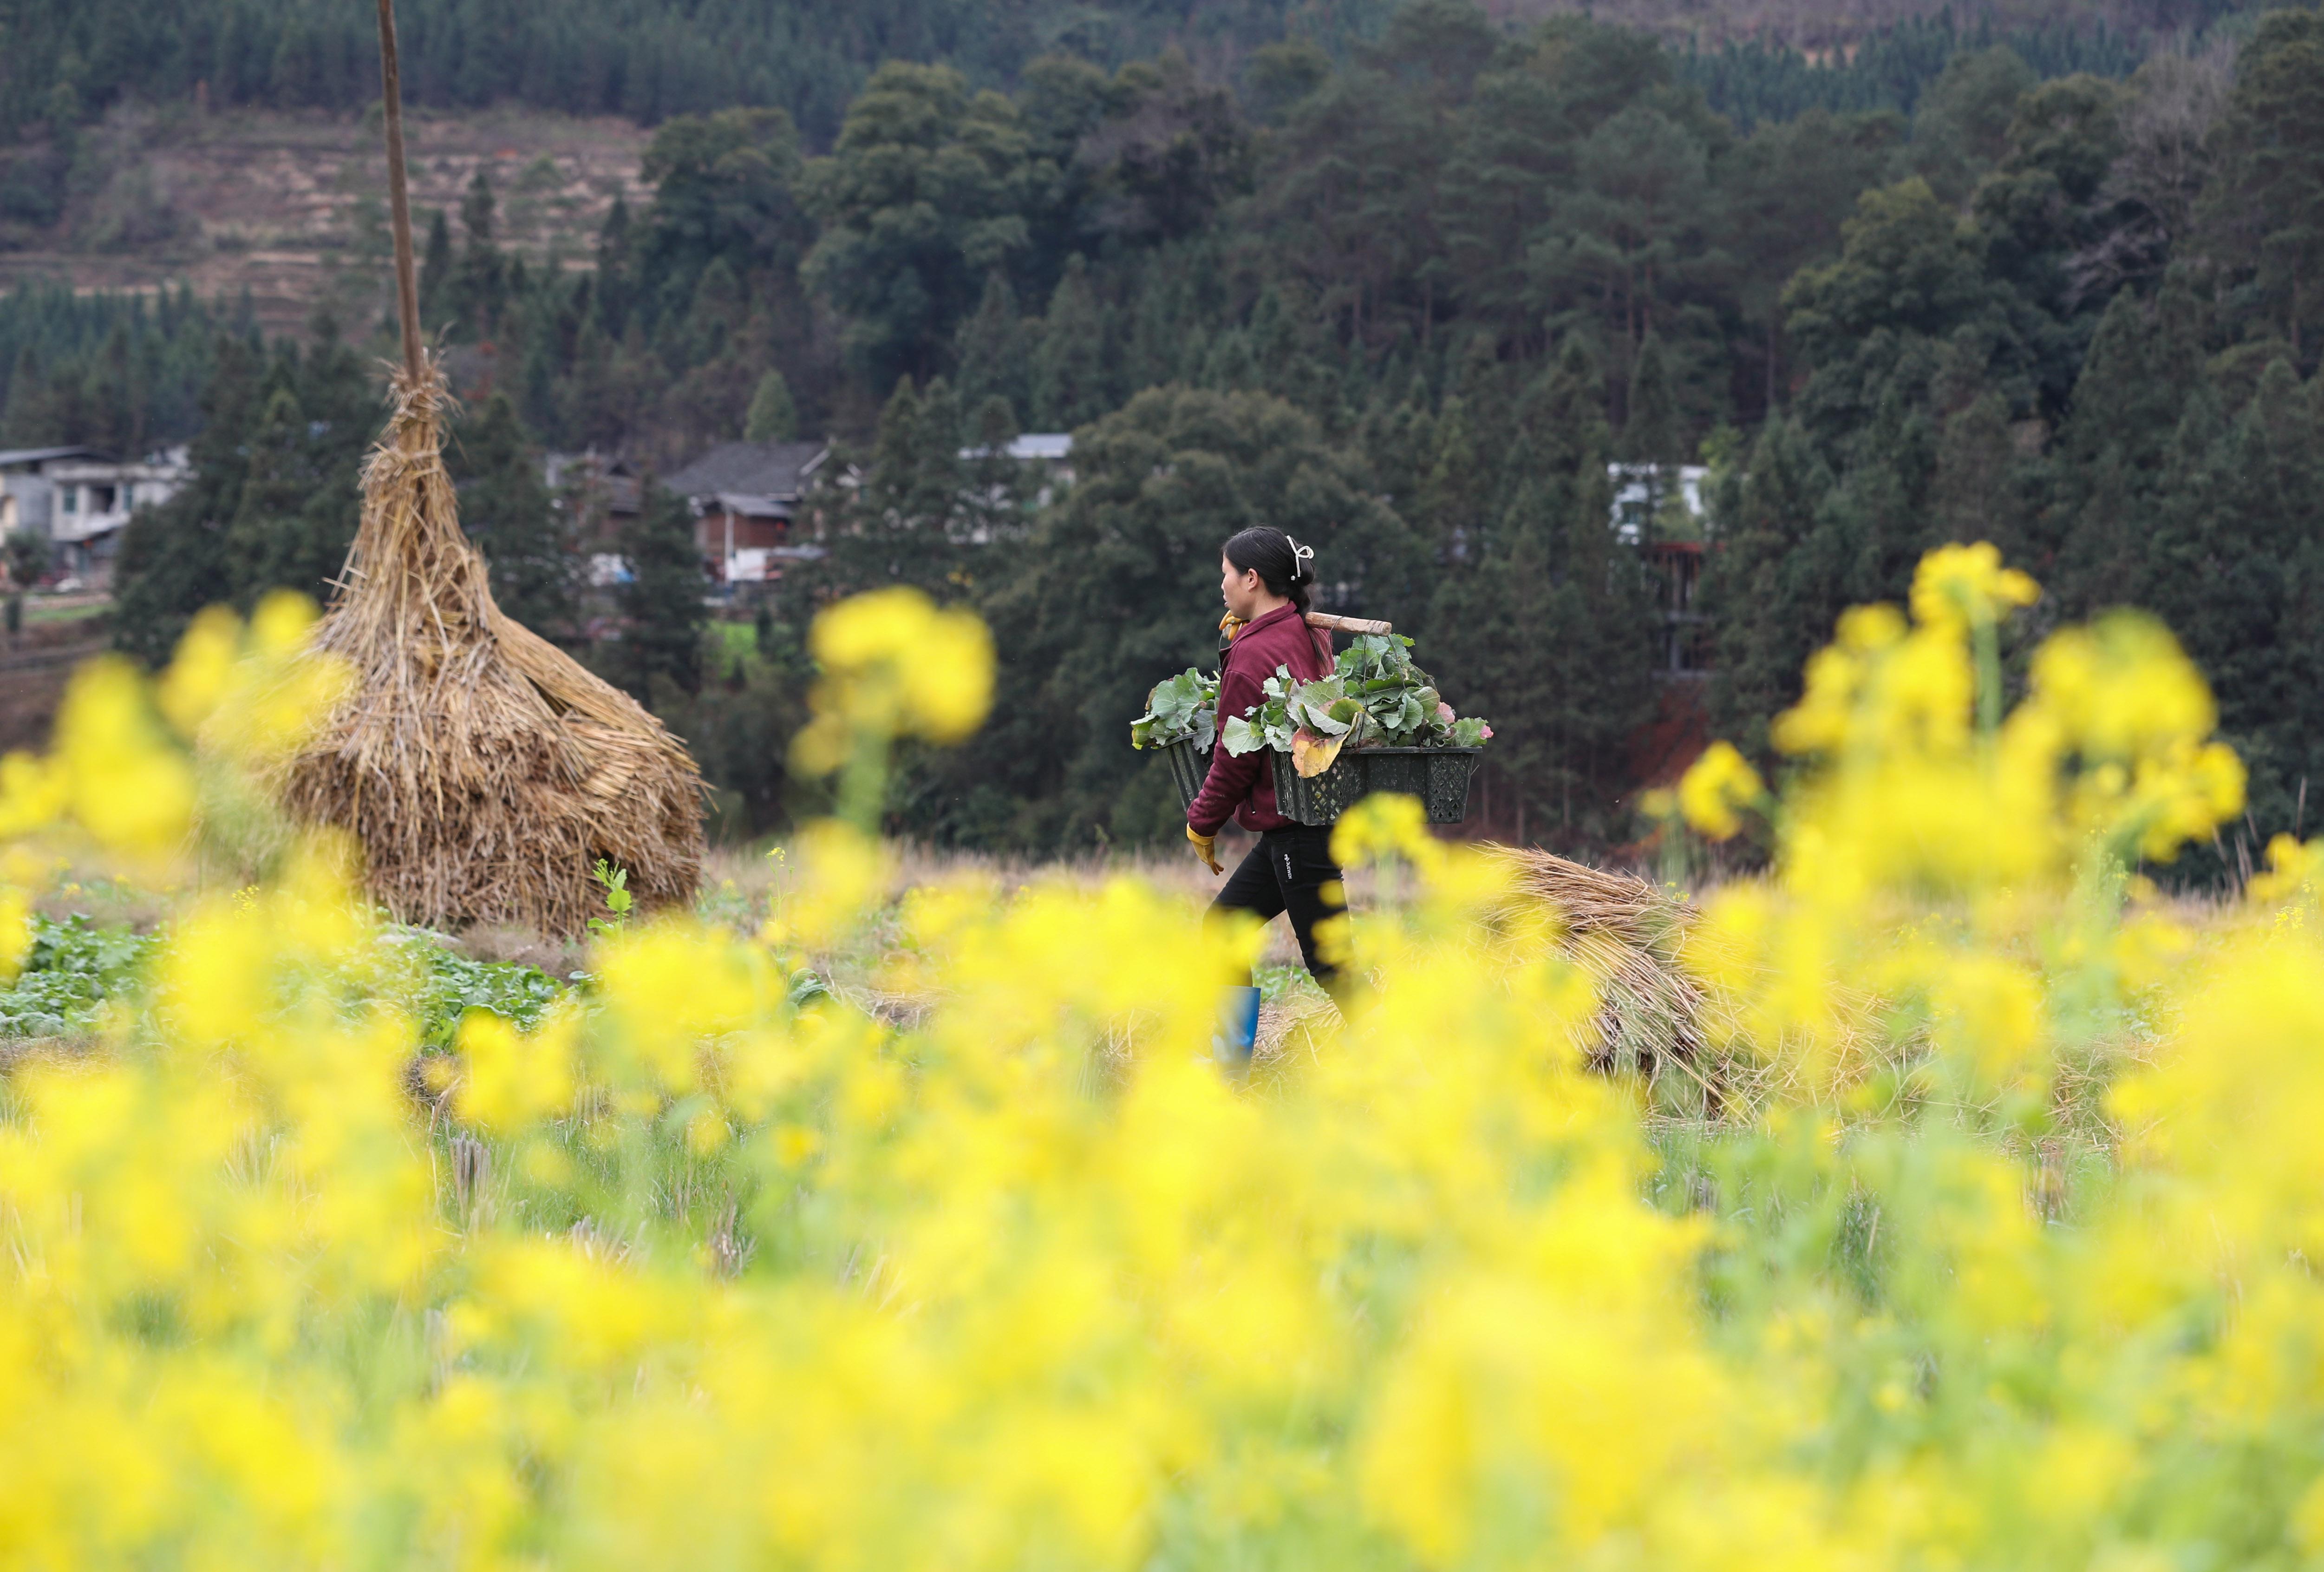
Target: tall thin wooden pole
399,200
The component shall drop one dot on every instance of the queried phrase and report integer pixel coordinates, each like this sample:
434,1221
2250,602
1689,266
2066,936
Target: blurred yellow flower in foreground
1957,588
893,664
513,1080
1988,1240
123,784
1714,786
250,693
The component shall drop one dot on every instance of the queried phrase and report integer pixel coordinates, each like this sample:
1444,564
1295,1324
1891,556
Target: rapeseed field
2008,1263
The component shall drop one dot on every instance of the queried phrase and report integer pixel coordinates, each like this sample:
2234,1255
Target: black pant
1290,870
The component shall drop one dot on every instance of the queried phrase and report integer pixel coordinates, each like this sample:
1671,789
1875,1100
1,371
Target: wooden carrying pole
1324,619
399,198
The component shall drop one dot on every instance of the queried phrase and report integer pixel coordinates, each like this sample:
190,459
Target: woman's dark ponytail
1286,566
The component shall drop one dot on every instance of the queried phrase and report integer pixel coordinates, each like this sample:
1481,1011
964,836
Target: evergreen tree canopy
505,507
274,500
2266,207
773,418
661,644
1116,588
2045,286
925,192
725,190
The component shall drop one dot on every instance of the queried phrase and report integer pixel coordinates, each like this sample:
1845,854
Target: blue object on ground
1238,1027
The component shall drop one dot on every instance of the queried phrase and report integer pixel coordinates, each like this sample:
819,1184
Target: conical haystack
481,768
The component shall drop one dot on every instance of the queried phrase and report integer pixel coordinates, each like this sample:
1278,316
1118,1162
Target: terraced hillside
288,206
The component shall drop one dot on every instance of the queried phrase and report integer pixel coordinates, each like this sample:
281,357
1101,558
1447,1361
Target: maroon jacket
1245,787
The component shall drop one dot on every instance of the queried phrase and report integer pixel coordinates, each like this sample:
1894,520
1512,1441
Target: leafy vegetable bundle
1179,710
1375,698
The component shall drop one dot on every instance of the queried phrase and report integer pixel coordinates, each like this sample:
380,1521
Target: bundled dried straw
1659,1019
1654,1016
481,768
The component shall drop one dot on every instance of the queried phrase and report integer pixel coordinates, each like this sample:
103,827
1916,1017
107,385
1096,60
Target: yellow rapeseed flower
1714,786
128,788
509,1080
895,663
1957,588
995,1269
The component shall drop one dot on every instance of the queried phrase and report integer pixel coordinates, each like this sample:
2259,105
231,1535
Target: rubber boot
1238,1030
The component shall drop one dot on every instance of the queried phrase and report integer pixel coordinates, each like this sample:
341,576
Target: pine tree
173,558
1878,523
992,351
716,314
2237,545
263,539
1767,605
1287,361
773,418
939,481
33,419
344,412
590,403
1975,494
614,287
274,500
113,415
298,502
1487,622
927,188
662,644
437,303
1605,670
539,324
505,504
479,209
2115,450
2265,209
1650,426
1164,345
994,481
1231,366
1543,715
481,282
904,526
1400,439
725,189
1450,514
1543,624
1069,380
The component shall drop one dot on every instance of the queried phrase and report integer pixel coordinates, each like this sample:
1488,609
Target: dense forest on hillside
1410,300
65,63
647,60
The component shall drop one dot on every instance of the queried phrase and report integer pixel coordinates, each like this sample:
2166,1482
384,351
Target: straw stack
1654,1017
482,769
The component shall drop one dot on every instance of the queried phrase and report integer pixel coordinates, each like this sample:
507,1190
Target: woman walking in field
1265,578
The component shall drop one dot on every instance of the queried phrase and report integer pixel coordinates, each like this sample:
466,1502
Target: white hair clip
1302,559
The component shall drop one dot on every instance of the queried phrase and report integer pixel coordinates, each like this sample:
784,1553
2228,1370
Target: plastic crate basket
1439,777
1188,765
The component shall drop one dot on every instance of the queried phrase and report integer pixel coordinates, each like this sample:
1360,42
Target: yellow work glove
1206,849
